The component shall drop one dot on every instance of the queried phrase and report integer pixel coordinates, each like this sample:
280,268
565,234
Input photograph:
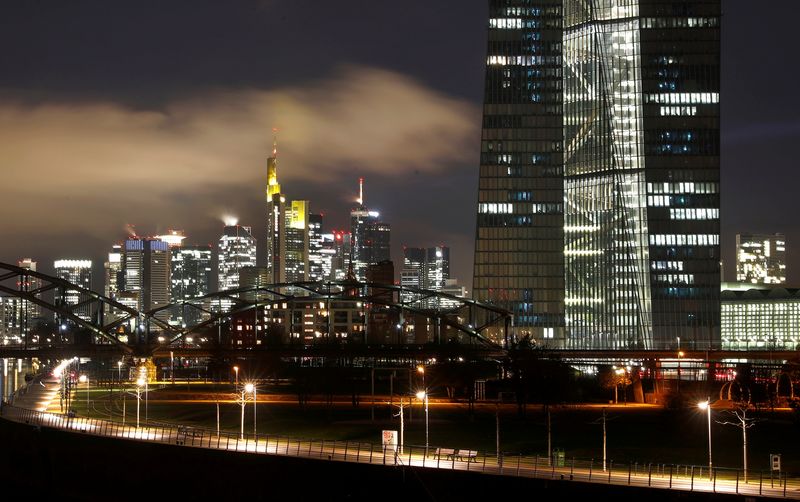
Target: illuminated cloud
91,167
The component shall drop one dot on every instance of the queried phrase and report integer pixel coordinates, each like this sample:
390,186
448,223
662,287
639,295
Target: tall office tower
413,272
519,247
635,152
32,312
276,221
146,274
437,267
113,272
78,272
297,242
370,237
761,258
342,255
320,249
237,249
190,276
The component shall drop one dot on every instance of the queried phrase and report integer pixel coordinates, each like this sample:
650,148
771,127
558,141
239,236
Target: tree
738,414
613,377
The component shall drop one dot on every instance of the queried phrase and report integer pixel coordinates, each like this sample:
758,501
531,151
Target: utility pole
604,439
497,431
549,437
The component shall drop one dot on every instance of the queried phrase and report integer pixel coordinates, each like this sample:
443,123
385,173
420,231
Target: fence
663,476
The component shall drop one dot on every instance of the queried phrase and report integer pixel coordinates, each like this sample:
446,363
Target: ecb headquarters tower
598,209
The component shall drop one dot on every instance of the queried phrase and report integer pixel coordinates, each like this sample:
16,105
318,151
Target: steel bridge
472,328
119,329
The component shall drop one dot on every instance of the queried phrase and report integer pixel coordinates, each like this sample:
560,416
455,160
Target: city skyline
53,93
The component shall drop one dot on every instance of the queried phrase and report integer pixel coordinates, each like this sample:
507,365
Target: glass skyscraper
637,163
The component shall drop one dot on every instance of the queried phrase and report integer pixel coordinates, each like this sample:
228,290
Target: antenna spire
275,142
361,191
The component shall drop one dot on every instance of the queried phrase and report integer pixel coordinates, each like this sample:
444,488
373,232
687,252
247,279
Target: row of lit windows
682,98
683,187
684,239
680,111
667,265
675,278
676,200
509,208
699,213
523,60
679,22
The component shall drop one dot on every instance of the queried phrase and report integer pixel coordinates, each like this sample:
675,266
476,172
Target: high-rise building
370,237
275,247
297,242
113,272
598,211
437,267
79,273
146,274
321,249
190,276
287,249
413,272
237,249
341,260
31,311
761,258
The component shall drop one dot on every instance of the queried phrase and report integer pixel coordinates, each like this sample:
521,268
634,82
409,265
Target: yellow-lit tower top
273,187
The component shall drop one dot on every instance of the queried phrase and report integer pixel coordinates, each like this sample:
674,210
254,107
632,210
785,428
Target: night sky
160,115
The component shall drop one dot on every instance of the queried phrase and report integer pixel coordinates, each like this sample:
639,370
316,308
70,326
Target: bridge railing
654,475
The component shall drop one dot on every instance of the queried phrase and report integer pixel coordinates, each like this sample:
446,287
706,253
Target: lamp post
139,384
706,405
255,408
236,371
423,394
85,379
246,389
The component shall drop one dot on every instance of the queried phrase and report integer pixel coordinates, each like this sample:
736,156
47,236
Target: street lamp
236,370
85,379
706,405
248,388
139,384
423,394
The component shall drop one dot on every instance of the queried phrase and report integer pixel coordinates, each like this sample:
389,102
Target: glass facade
519,259
190,277
761,319
631,204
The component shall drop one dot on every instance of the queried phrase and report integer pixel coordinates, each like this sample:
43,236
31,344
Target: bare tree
741,405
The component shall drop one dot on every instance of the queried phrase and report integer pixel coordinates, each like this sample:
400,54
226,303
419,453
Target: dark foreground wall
52,464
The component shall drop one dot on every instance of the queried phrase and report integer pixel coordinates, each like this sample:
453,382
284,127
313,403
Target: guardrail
660,476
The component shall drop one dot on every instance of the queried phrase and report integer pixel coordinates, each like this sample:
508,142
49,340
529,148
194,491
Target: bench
187,432
467,455
448,453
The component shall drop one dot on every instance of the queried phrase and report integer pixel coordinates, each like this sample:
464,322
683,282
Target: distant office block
79,273
761,258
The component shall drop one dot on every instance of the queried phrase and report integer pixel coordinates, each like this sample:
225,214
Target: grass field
635,433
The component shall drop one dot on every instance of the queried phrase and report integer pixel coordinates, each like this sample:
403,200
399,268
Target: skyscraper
31,311
287,246
297,242
321,249
113,272
761,258
190,268
370,237
237,249
437,267
413,272
146,274
275,247
342,255
78,272
598,223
